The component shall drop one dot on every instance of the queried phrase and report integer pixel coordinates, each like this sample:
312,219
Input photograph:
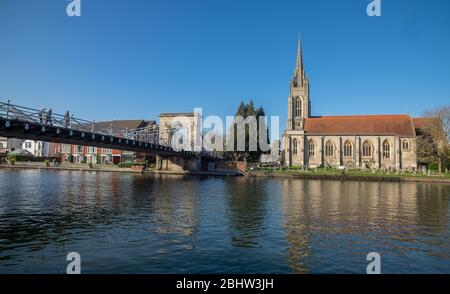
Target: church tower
299,106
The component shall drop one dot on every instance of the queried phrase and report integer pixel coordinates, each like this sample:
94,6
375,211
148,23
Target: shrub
91,165
125,164
295,167
433,166
47,163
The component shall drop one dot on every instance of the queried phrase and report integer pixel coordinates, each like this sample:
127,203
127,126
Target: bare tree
433,142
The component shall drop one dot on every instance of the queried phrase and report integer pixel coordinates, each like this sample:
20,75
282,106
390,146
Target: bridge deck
13,128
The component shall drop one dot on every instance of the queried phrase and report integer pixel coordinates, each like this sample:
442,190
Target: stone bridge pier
177,163
174,163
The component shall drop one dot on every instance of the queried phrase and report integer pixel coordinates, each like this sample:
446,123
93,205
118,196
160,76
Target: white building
3,143
37,148
186,125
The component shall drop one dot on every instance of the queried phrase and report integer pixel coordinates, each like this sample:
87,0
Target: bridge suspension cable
47,118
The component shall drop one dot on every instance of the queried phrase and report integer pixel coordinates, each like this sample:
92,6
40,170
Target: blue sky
134,59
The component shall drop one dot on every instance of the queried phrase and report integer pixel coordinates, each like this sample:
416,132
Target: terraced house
119,128
359,141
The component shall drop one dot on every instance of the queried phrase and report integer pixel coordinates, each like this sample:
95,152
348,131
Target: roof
421,122
122,125
175,114
391,124
21,152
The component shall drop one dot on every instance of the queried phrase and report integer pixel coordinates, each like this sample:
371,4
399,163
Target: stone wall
400,156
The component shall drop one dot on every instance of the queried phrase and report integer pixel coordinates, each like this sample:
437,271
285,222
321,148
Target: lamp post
7,109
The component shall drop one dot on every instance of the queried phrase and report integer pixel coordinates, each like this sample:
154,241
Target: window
298,106
106,151
348,149
92,150
367,149
329,149
311,148
294,146
78,149
386,149
405,145
66,148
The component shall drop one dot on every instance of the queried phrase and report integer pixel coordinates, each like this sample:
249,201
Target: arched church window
348,149
386,149
367,149
311,148
405,145
294,146
298,107
329,149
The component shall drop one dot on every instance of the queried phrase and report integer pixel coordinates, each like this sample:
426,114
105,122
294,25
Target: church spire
299,65
299,73
298,101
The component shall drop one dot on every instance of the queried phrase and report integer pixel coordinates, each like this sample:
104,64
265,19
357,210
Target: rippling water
130,223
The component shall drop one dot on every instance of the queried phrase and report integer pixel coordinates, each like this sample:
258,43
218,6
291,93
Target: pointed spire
299,65
299,73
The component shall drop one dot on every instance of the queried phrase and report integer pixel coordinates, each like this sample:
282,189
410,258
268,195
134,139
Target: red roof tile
398,124
421,122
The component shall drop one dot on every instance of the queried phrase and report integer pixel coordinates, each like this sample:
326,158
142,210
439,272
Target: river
133,223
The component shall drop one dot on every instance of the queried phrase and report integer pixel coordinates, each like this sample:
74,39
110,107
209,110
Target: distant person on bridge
49,118
67,119
42,116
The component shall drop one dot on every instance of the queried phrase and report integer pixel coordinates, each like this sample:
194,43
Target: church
354,141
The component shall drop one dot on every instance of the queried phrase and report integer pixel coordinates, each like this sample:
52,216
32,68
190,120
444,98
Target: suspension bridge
42,125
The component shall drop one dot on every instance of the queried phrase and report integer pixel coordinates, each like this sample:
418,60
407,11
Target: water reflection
348,219
246,211
171,224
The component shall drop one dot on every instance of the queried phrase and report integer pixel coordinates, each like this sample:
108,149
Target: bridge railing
149,134
44,117
47,117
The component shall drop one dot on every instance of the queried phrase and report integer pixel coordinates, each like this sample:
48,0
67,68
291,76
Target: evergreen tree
245,110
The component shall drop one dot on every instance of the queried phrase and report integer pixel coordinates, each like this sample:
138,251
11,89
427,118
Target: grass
349,173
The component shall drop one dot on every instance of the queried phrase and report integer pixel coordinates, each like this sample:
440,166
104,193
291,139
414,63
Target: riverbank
350,176
353,175
74,167
112,168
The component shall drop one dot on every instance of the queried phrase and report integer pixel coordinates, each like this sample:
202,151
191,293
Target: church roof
396,124
421,122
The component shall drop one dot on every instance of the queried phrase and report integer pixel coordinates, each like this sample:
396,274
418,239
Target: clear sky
134,59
